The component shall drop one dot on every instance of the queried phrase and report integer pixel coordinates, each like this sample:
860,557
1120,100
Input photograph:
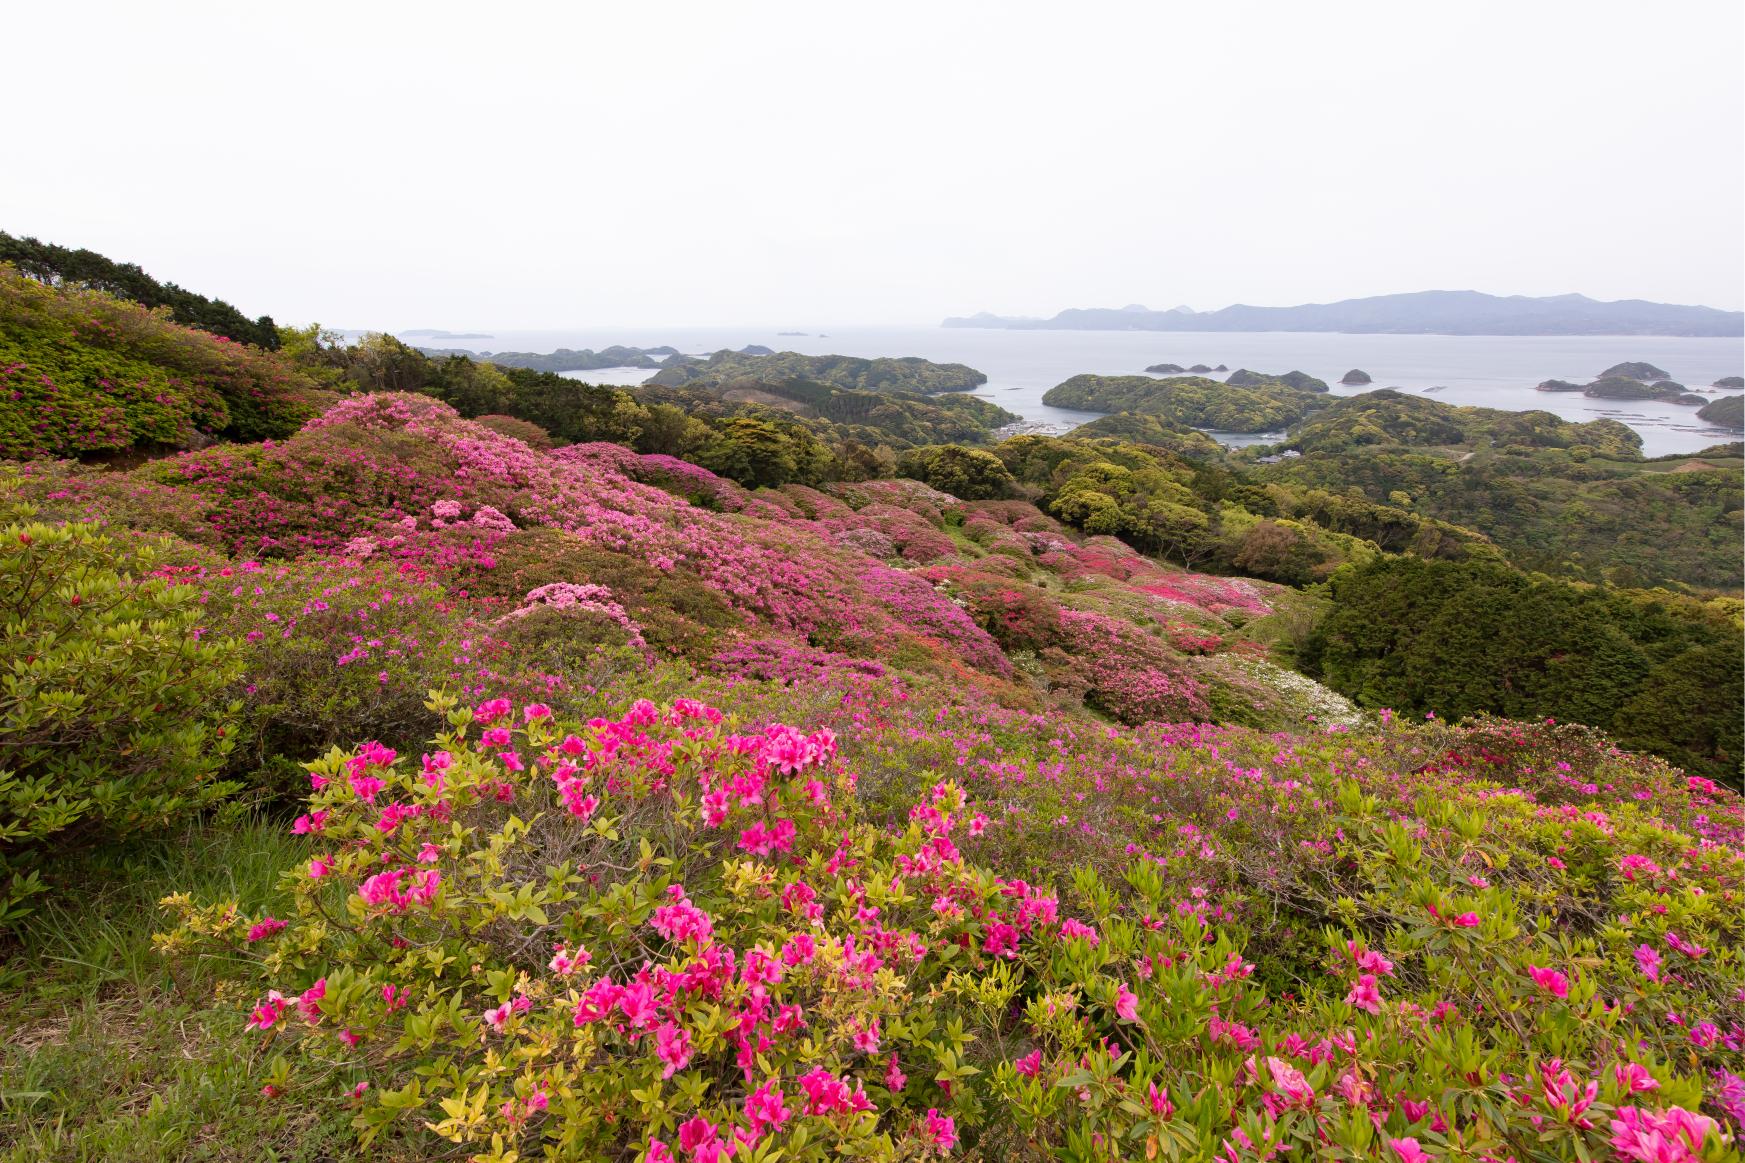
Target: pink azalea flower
1408,1150
264,928
673,1048
765,1109
1030,1065
941,1130
1291,1082
1126,1004
564,963
309,1003
1634,1078
267,1014
866,1039
1672,1136
1549,980
1158,1100
1365,995
698,1136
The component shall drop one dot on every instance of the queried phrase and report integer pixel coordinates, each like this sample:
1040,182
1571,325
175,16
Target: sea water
1491,371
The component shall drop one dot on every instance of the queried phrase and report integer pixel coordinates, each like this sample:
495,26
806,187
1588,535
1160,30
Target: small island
1619,388
1302,381
1268,405
1727,412
1646,372
1629,388
1558,386
564,359
904,374
1166,369
1730,383
1356,376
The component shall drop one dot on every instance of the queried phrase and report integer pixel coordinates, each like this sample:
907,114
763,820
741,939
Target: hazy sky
580,163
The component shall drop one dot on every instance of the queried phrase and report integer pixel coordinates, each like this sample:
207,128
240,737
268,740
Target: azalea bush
647,934
338,647
661,935
113,711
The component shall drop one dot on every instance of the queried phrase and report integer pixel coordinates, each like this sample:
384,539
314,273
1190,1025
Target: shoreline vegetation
415,754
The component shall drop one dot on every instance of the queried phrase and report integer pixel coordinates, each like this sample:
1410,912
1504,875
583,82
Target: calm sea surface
1491,371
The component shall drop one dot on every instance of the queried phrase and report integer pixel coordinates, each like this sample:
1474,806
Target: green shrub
111,720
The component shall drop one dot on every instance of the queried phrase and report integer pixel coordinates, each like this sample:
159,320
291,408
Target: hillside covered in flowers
412,786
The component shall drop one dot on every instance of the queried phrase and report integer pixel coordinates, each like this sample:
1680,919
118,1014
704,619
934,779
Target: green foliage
1145,505
57,265
110,1052
967,473
1138,428
761,454
84,373
1389,417
1571,499
1265,406
532,435
1657,671
1203,513
112,717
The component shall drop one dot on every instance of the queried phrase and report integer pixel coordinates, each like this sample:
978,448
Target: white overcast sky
579,164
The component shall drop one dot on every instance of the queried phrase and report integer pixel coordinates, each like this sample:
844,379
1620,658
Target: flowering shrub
334,647
775,660
81,373
647,935
112,715
922,608
532,435
654,936
1124,672
1020,617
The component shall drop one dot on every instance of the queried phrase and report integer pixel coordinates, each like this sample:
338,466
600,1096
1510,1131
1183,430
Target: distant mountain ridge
1418,312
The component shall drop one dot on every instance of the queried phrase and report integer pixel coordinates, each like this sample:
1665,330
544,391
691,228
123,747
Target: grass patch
108,1055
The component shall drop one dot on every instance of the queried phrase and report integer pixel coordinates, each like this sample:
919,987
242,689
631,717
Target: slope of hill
866,758
1428,312
86,374
1566,498
58,265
